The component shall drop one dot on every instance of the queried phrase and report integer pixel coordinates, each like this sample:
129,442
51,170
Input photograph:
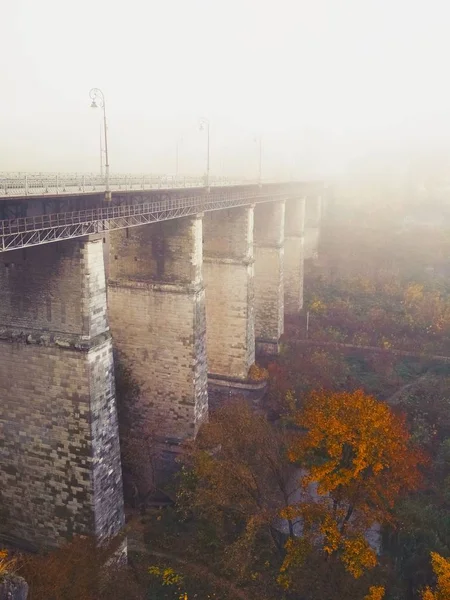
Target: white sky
322,80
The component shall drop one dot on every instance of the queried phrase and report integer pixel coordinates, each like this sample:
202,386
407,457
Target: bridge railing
27,185
28,224
31,231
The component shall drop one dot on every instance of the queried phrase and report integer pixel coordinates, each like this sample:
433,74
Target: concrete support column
313,217
156,301
60,471
293,255
229,281
269,275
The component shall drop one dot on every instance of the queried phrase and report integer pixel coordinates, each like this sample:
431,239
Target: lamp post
204,124
259,140
101,153
96,95
179,140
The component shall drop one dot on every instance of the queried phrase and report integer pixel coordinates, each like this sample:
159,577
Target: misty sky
322,80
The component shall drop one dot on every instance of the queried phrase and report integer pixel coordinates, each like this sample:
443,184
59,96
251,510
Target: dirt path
136,544
372,349
407,386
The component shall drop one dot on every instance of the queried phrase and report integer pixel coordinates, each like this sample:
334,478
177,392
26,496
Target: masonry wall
294,255
228,269
269,275
313,216
157,309
60,470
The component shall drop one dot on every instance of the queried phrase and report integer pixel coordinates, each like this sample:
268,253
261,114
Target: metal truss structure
42,185
33,231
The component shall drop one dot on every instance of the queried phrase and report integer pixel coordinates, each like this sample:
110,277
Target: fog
326,83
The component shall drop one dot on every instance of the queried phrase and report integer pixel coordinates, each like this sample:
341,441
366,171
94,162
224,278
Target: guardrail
42,229
37,185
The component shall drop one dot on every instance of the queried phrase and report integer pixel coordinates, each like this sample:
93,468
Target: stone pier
60,472
294,255
156,300
269,275
229,280
313,216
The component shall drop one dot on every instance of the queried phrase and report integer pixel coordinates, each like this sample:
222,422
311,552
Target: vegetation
338,486
441,568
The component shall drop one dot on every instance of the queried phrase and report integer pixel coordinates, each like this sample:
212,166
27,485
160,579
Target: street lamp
101,153
204,124
97,95
179,140
259,140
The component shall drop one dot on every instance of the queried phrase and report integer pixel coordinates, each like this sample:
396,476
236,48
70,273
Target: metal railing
41,185
32,231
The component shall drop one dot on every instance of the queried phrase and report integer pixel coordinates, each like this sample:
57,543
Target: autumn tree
441,568
237,477
422,519
358,459
301,369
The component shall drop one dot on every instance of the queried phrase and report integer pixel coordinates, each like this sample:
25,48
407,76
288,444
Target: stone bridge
187,284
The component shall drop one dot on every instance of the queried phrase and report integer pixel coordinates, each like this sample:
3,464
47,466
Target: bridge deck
57,185
46,228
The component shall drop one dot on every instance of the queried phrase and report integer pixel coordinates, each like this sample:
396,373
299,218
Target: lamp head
203,124
94,104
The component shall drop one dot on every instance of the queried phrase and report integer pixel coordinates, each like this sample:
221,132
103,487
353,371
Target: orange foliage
358,459
441,568
376,592
257,373
7,565
366,456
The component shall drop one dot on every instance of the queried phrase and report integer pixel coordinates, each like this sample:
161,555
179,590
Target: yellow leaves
386,343
376,592
358,556
362,444
297,550
6,565
413,294
441,568
167,576
332,536
359,460
365,284
322,528
257,373
317,306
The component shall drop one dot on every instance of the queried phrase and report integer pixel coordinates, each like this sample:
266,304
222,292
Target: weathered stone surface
229,281
293,255
313,216
60,468
269,275
59,288
157,308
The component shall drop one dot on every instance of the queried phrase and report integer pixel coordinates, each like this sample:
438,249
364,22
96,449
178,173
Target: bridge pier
60,471
294,255
269,271
313,217
156,300
229,280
